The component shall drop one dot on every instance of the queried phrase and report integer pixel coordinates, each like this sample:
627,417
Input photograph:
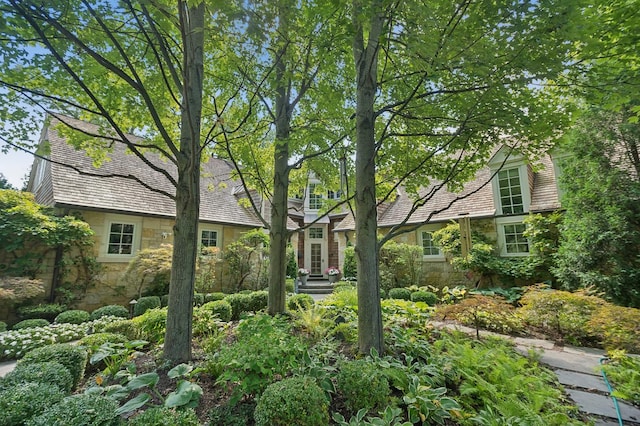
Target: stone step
312,290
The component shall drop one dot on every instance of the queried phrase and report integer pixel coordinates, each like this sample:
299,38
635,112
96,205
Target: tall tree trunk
279,207
177,346
366,62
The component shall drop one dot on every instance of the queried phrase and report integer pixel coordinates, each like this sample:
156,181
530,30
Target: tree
128,66
600,233
4,183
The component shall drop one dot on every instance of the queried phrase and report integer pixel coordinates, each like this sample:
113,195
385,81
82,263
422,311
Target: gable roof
67,188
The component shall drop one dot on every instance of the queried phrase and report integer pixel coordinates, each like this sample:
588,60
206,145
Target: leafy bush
210,297
427,297
74,358
50,372
258,300
206,321
624,372
289,285
3,326
30,323
221,308
165,417
400,265
146,303
350,267
616,327
246,302
94,341
240,414
400,293
297,400
74,316
198,299
292,262
25,400
80,410
150,269
483,312
110,310
362,385
48,311
561,314
343,285
511,294
164,300
19,290
151,325
124,327
300,301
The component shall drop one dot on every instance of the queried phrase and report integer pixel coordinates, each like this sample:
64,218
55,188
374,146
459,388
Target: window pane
116,227
429,248
121,238
510,191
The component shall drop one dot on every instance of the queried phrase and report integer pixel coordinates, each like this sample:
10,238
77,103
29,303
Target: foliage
110,310
296,400
300,301
3,326
18,290
246,262
616,327
313,320
362,385
120,326
30,323
561,314
79,410
144,304
346,297
74,358
210,297
74,316
221,308
48,311
150,270
198,299
427,297
543,234
511,294
265,349
115,355
600,234
25,400
400,265
227,414
151,325
400,293
158,416
484,312
332,271
93,341
47,372
391,416
292,262
349,268
624,371
251,302
207,269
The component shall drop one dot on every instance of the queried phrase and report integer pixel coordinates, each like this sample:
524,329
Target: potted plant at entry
332,272
303,274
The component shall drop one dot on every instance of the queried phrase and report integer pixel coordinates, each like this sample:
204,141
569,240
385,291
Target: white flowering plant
303,272
332,270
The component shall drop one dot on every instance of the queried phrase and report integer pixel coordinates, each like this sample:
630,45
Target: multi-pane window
515,241
315,233
121,238
315,200
209,238
510,191
429,247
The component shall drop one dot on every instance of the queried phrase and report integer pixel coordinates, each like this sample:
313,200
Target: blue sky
14,165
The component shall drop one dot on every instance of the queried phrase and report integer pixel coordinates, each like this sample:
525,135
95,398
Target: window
510,191
315,200
315,233
429,247
514,240
121,238
209,238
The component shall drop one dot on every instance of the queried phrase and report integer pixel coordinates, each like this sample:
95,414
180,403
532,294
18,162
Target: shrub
343,285
48,311
300,301
362,385
228,414
210,297
79,410
258,300
289,285
15,343
151,325
400,293
50,372
617,327
427,297
74,358
400,265
25,400
297,400
74,316
30,323
94,341
198,299
144,304
349,268
110,310
18,290
561,314
164,301
165,417
624,371
3,326
239,303
484,312
221,308
124,327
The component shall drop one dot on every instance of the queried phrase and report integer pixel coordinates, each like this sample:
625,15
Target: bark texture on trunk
366,62
177,345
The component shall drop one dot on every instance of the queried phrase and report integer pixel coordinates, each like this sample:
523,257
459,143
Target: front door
316,249
316,259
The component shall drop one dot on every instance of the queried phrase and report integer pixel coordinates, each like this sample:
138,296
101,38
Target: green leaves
186,395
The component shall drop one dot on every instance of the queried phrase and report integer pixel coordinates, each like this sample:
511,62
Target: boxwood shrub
427,297
165,417
198,299
110,310
239,303
79,410
144,304
258,300
48,311
30,323
293,401
74,358
400,293
21,402
300,301
73,316
124,327
210,297
362,385
151,325
50,372
221,308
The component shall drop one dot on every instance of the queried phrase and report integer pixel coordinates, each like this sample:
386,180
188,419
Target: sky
14,166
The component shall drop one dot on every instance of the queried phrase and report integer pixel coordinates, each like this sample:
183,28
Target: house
127,215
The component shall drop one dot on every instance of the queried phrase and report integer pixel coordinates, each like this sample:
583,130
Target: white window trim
524,187
215,228
110,219
426,257
502,243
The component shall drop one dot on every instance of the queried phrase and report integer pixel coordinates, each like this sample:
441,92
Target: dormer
512,183
314,199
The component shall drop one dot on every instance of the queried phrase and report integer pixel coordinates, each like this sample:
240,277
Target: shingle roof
218,204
